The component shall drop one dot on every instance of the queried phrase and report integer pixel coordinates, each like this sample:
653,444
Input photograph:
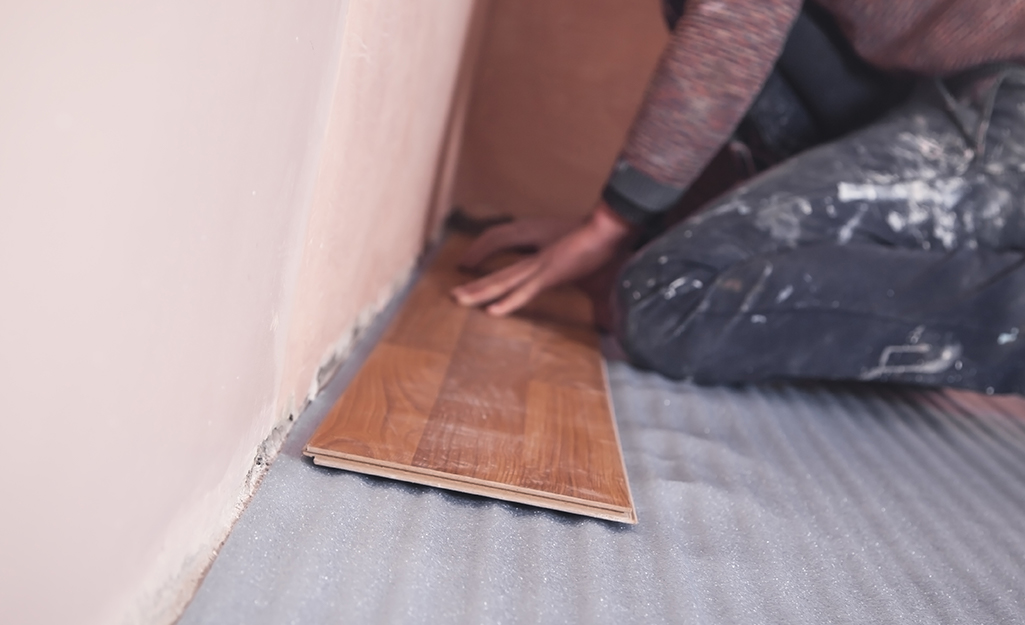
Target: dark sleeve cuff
635,196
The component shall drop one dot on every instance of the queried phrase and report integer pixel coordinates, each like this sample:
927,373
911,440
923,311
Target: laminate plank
428,321
477,421
577,453
484,489
514,408
386,408
479,416
565,355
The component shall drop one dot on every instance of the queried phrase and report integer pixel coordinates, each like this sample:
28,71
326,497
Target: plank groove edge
461,484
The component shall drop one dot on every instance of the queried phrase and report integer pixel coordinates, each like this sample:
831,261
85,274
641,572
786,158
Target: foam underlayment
786,504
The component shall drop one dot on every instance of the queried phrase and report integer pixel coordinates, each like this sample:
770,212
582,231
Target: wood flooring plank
429,320
476,426
572,447
565,355
514,408
484,489
386,408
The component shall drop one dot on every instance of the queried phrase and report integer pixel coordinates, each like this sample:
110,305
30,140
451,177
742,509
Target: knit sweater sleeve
718,57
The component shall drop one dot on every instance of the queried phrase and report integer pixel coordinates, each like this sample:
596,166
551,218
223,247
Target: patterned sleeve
719,55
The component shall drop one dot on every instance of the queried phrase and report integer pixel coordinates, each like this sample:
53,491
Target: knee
656,296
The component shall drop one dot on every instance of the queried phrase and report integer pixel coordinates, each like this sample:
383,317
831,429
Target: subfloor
770,504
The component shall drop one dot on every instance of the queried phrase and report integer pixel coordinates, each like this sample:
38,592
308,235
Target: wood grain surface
514,408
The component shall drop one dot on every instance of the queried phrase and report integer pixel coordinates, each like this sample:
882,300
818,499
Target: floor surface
770,504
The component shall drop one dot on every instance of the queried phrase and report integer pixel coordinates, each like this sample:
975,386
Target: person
895,252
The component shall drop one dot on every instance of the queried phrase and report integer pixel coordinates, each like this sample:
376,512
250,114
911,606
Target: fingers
496,285
548,272
519,297
564,257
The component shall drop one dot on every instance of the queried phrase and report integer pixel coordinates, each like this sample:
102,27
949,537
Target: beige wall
197,201
556,88
402,58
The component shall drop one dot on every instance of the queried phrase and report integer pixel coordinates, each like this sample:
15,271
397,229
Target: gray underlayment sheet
770,504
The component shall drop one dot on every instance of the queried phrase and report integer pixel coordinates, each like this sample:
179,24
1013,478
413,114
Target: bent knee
656,297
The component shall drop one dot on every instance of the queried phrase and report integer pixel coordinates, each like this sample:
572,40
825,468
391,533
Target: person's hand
565,254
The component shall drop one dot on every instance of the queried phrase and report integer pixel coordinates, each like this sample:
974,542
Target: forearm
716,62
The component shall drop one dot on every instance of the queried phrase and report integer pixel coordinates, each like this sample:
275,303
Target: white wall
401,63
197,200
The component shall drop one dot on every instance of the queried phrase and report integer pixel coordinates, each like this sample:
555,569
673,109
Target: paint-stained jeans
894,254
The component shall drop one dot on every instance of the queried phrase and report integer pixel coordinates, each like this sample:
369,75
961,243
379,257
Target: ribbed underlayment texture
770,504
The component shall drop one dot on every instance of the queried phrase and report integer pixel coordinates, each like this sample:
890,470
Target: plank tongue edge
494,490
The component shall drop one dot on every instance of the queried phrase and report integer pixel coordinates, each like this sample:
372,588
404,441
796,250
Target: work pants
896,254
